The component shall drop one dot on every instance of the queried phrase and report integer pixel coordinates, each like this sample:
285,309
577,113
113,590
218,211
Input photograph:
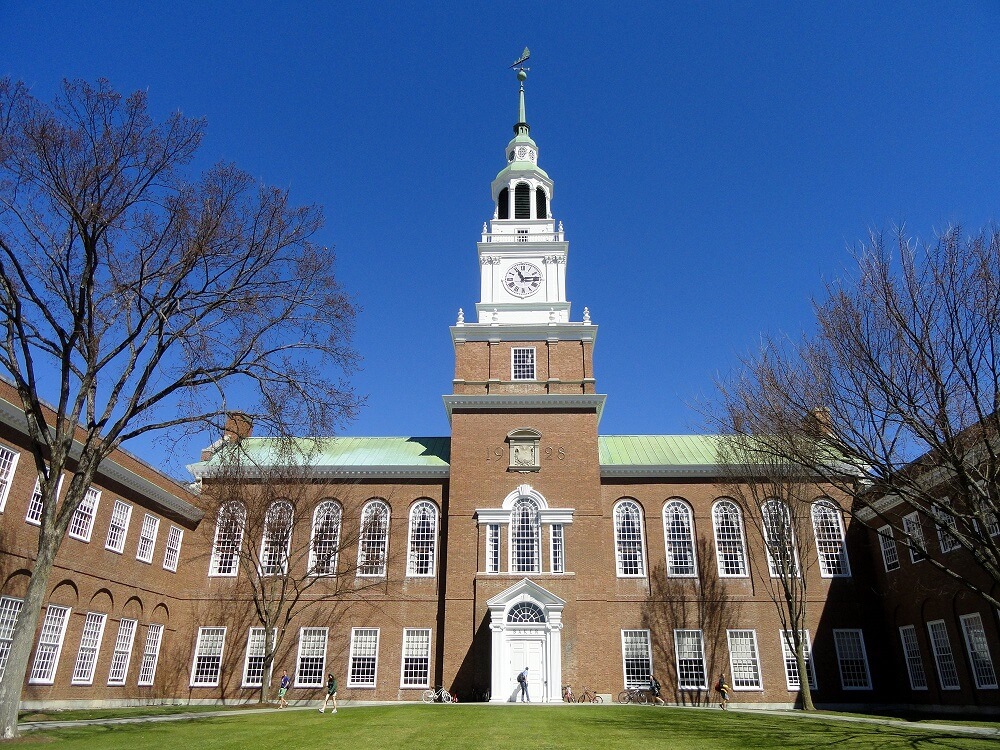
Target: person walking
723,689
654,690
522,680
331,693
283,686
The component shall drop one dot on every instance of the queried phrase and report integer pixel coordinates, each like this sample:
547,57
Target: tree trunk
805,683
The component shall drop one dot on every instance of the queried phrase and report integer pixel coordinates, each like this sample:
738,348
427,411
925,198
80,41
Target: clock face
523,279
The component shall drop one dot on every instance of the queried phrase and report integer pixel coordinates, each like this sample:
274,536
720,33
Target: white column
496,663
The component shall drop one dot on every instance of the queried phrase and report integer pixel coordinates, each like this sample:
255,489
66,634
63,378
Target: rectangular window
90,645
915,537
147,538
690,651
364,657
890,554
312,657
9,607
911,653
744,660
637,658
523,363
493,548
208,657
979,651
852,659
8,462
945,522
150,654
253,667
121,516
172,553
557,549
522,235
50,641
82,523
792,678
416,668
35,505
123,652
944,657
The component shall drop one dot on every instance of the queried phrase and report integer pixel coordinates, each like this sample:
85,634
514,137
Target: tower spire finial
522,74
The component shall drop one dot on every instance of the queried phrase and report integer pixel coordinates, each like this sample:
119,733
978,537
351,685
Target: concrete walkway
916,726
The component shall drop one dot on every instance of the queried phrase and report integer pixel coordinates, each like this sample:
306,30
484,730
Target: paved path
961,729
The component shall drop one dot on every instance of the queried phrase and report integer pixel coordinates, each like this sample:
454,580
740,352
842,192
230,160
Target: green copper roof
658,450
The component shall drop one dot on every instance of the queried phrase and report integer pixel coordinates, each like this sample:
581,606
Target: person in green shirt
331,693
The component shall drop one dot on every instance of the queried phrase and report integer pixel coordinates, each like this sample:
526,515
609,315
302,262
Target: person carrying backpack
522,680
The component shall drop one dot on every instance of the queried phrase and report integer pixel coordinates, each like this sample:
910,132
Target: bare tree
135,299
896,396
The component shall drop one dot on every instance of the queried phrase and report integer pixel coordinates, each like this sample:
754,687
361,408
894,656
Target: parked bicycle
589,696
431,696
633,695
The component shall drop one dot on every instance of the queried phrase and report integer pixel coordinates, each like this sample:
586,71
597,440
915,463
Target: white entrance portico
526,629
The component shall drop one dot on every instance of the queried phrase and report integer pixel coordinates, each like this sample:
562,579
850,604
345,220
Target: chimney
238,426
818,422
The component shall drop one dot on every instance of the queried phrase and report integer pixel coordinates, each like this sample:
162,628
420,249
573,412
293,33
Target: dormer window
522,201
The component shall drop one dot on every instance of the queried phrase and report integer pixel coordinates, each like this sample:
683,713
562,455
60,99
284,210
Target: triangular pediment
526,590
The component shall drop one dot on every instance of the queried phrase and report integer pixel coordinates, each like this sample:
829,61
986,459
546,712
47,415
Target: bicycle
430,696
633,695
589,696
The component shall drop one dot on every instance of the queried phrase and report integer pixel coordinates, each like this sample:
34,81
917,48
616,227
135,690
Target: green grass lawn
480,727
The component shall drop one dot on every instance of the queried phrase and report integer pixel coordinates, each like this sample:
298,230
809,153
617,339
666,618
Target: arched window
730,544
678,531
423,538
779,539
325,541
522,201
373,545
541,209
276,538
228,539
524,537
525,612
503,204
628,539
828,526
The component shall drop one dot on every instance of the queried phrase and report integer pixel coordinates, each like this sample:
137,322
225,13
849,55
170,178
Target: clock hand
520,275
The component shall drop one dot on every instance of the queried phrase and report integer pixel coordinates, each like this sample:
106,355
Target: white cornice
516,402
332,471
523,331
660,470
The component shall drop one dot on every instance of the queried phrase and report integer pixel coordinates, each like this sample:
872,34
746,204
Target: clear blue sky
713,162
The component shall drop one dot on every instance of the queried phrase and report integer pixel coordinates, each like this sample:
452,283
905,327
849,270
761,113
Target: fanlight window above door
525,612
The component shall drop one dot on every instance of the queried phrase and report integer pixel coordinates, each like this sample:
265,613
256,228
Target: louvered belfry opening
503,204
541,210
522,201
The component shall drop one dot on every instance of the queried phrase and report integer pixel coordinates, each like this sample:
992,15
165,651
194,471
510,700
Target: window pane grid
729,542
364,657
90,644
123,652
628,539
915,533
228,540
523,364
374,544
690,660
945,521
890,553
744,662
524,537
779,539
150,654
9,608
121,515
493,548
423,536
637,658
914,662
830,544
8,460
944,657
277,538
147,538
312,657
558,549
416,657
172,553
979,651
679,534
253,668
325,538
82,523
34,515
50,640
208,657
852,660
792,677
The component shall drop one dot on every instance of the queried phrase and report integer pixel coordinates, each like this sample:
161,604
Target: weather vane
522,72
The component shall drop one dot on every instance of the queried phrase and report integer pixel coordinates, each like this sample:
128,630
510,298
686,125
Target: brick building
524,539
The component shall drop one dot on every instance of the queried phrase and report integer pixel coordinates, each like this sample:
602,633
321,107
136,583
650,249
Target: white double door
529,652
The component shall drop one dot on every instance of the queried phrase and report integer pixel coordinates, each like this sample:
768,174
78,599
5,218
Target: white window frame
172,550
321,516
632,643
913,658
150,654
9,608
357,634
90,648
413,648
218,635
493,548
147,538
517,561
677,541
309,640
529,353
791,542
890,552
234,513
916,541
35,519
632,507
730,544
256,643
943,522
81,525
557,547
978,648
744,661
944,656
373,542
8,465
276,543
429,514
851,654
823,526
692,638
792,677
50,643
122,657
121,517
